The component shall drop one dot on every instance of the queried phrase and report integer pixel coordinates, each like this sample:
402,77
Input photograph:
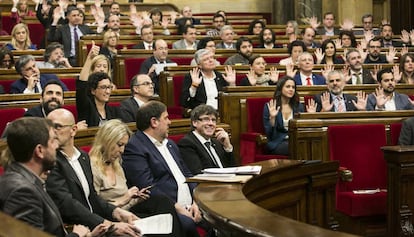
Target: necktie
208,145
340,105
308,81
149,47
75,34
358,78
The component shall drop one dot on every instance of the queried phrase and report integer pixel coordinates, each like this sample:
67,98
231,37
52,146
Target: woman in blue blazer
277,113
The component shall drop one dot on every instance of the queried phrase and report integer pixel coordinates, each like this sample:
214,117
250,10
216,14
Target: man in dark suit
32,81
385,97
308,36
142,90
206,146
202,84
152,159
22,194
334,100
374,55
358,75
267,38
407,133
305,76
187,14
328,28
52,98
227,36
387,41
159,58
70,184
147,37
68,34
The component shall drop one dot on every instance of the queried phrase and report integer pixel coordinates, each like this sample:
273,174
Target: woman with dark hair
257,75
255,27
326,54
6,58
347,39
159,21
406,69
206,43
295,49
277,113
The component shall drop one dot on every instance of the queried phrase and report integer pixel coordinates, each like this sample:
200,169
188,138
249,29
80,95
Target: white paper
159,67
158,224
249,169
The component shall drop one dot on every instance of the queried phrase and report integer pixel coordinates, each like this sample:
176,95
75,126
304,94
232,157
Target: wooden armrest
345,174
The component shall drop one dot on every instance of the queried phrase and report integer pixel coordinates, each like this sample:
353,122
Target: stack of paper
250,169
158,224
223,178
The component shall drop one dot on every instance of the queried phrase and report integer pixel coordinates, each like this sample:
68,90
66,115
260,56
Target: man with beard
244,49
206,146
54,57
52,98
385,98
267,39
358,75
334,100
387,41
374,53
22,193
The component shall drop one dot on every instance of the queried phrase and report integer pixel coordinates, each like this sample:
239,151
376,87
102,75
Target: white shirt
211,90
354,78
76,166
72,35
139,102
304,81
183,193
212,150
31,91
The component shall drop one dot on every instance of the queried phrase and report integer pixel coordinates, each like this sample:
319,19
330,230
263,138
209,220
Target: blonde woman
109,178
20,10
110,44
20,38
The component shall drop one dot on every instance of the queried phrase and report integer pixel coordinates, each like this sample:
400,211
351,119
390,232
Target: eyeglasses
59,126
147,83
207,119
218,21
375,47
105,87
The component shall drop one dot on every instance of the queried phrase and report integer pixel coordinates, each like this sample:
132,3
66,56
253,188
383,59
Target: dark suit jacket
62,35
407,132
277,133
200,96
128,109
35,112
181,21
20,85
140,45
144,165
366,77
347,99
401,102
23,197
382,59
395,43
317,79
196,156
66,191
222,46
322,31
145,67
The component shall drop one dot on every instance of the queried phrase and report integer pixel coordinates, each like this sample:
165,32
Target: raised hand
412,36
385,22
368,35
396,73
290,70
311,106
390,55
251,76
230,76
274,74
338,43
405,36
380,97
327,68
195,77
363,43
361,102
273,111
319,55
374,72
348,24
404,50
326,102
345,72
362,52
94,50
313,22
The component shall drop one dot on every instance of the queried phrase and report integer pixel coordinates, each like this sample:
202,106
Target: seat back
395,129
8,115
358,148
254,110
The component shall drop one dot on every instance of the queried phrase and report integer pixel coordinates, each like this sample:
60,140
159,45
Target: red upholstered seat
250,150
7,85
275,58
1,170
86,148
72,108
395,129
37,33
8,115
132,66
357,147
176,138
176,110
70,83
182,60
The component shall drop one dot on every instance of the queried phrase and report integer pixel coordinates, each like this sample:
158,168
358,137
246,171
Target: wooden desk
400,185
287,199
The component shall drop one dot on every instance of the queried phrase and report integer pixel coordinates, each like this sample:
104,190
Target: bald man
142,90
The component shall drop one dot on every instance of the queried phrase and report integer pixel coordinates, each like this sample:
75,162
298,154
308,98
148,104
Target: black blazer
145,67
197,158
407,132
62,35
200,96
140,45
366,77
23,197
347,99
66,191
129,108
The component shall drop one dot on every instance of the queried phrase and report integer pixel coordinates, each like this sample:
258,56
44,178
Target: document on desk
221,178
158,224
248,169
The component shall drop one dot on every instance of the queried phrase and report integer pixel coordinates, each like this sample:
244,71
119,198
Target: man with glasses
218,22
206,146
142,90
147,36
374,55
153,65
367,23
